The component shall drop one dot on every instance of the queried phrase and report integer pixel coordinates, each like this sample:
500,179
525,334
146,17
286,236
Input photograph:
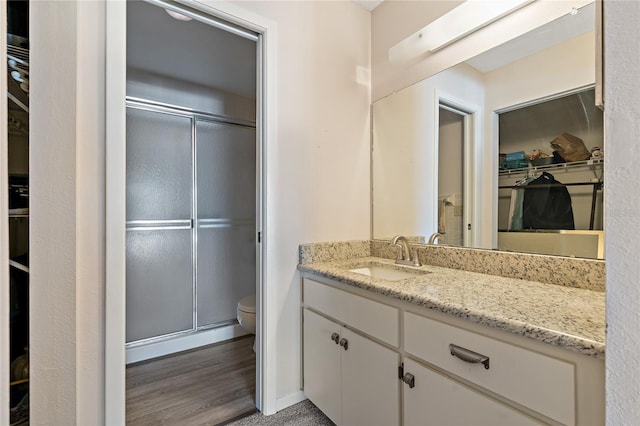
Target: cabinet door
439,400
321,364
370,384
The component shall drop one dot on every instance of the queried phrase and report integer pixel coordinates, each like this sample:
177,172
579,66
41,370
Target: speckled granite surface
326,252
567,317
565,271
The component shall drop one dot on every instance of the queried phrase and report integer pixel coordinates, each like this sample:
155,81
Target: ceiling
189,51
369,4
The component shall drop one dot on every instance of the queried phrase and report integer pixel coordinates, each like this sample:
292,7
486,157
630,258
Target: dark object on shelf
571,148
542,161
547,205
18,192
557,158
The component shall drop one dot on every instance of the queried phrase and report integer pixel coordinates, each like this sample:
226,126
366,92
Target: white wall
622,209
405,156
562,67
67,213
317,183
319,171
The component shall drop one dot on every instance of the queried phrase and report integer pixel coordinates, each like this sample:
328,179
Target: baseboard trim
289,400
183,343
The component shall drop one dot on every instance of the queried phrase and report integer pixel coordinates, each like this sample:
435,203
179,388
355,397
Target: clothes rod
551,185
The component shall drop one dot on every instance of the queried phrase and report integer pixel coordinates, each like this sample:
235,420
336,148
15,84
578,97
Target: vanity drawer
536,381
373,318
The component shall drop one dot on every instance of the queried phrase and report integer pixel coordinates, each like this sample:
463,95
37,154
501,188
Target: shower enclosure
190,178
191,219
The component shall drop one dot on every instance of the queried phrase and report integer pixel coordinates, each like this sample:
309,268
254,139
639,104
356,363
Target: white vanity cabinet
536,381
435,399
454,371
350,377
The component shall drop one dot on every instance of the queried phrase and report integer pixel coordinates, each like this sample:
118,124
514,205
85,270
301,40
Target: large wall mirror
467,153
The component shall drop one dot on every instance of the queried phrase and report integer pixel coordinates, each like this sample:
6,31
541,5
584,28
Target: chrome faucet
404,256
435,236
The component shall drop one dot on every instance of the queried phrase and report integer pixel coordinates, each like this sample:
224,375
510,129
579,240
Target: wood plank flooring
206,386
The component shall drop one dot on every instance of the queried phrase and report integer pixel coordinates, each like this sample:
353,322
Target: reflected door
451,196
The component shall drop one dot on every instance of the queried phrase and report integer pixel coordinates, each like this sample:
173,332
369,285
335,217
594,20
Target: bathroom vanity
436,346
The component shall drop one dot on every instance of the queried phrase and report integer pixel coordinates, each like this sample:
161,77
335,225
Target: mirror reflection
467,153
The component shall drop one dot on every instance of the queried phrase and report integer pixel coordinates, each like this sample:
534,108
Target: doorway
457,138
451,175
192,186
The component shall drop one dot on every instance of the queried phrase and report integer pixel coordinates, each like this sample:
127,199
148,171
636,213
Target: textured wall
622,209
67,213
52,215
318,172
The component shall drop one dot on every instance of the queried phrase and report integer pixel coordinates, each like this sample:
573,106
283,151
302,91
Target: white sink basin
388,272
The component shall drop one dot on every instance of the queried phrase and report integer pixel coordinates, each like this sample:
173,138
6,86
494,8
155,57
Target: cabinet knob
335,337
409,379
344,343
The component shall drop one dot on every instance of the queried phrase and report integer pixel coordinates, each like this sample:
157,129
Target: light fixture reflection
470,16
178,16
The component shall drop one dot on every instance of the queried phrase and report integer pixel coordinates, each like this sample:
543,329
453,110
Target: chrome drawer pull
469,356
335,337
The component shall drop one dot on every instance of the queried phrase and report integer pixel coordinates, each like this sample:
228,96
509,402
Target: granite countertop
570,318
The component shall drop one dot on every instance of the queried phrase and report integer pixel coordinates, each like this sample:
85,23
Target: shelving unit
18,169
596,165
532,127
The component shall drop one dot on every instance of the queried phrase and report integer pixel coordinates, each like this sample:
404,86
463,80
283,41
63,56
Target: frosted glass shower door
159,199
226,212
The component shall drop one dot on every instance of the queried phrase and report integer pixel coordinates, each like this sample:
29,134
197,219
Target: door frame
472,183
115,296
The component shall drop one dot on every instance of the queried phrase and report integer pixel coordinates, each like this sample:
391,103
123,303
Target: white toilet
247,315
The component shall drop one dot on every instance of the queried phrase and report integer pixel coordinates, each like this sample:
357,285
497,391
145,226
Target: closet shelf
554,167
19,382
19,213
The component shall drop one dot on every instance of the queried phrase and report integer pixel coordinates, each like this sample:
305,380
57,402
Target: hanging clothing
515,207
547,206
515,216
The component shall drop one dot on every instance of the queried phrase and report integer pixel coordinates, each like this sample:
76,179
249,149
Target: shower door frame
194,223
266,126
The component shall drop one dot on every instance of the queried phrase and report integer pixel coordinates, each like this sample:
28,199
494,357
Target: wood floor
205,386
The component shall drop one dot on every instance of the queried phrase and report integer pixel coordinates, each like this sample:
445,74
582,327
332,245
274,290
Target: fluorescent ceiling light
470,16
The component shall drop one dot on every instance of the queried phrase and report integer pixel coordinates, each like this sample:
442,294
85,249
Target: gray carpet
301,414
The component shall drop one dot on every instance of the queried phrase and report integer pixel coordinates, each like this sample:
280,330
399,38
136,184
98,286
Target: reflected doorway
451,175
